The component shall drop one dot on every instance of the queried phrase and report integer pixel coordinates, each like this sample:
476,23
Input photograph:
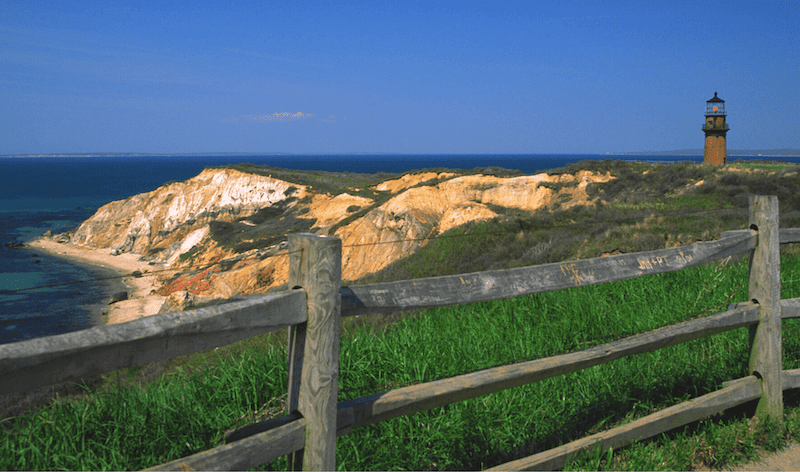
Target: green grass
644,207
136,422
124,426
622,220
640,206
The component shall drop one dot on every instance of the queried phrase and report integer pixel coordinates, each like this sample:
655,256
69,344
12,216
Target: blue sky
399,77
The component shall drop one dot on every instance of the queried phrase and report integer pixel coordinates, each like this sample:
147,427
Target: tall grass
126,426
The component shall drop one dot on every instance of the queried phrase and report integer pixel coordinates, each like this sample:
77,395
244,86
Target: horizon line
777,152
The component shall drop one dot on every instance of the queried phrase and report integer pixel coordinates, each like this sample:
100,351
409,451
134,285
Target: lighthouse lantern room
715,127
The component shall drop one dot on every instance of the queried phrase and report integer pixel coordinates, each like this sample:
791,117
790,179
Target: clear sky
562,77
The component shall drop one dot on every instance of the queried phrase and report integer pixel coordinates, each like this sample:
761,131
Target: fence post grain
766,354
315,265
296,350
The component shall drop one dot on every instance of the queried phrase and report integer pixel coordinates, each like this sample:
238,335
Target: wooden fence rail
314,306
507,283
39,362
497,284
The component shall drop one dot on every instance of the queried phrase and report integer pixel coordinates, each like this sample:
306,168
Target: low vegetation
353,183
646,207
271,225
142,417
333,183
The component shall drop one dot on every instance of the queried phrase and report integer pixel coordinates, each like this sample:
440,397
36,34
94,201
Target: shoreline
141,301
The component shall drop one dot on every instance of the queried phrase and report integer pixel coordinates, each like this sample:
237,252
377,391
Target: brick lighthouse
715,152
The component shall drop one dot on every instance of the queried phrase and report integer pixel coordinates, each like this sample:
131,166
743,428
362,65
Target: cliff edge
222,233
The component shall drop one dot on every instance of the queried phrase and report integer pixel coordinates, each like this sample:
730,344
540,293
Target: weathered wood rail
314,306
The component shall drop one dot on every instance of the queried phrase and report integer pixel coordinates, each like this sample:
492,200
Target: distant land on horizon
679,152
699,152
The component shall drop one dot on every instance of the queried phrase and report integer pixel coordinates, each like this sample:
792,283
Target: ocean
58,193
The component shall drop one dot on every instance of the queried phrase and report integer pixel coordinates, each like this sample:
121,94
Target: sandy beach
140,301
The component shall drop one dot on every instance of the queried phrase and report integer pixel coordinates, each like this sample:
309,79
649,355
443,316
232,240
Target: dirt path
787,459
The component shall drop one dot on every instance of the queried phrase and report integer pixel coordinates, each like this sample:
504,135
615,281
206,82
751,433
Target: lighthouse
715,152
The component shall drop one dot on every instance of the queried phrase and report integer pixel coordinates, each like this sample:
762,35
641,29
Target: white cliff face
147,219
226,191
194,238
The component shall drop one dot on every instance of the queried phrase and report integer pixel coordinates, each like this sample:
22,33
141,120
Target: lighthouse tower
715,152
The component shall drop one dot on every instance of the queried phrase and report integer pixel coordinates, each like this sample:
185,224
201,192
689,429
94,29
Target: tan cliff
420,212
222,233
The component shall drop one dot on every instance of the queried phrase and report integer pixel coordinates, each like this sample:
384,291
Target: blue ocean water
58,193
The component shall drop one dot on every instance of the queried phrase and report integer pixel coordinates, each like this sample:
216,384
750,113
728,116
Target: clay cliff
222,233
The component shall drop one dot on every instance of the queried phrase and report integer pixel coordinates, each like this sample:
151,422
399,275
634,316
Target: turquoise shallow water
58,193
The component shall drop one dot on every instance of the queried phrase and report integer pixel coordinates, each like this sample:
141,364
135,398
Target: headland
223,233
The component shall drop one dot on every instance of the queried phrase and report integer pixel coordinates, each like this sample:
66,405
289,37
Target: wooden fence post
315,265
766,353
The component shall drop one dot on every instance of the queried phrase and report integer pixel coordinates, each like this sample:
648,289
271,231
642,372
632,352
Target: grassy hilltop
145,416
646,207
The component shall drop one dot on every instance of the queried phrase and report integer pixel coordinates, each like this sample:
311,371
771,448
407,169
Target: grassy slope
204,394
188,410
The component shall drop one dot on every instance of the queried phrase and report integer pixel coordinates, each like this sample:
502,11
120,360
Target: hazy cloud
273,118
284,116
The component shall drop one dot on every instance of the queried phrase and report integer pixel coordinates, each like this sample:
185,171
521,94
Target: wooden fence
313,307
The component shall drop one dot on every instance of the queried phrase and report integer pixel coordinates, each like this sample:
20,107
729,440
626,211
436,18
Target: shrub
190,253
646,242
556,186
730,179
742,199
266,213
707,188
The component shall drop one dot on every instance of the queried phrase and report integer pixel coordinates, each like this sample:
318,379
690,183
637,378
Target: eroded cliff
224,231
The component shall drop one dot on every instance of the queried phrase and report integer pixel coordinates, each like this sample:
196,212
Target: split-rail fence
312,310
